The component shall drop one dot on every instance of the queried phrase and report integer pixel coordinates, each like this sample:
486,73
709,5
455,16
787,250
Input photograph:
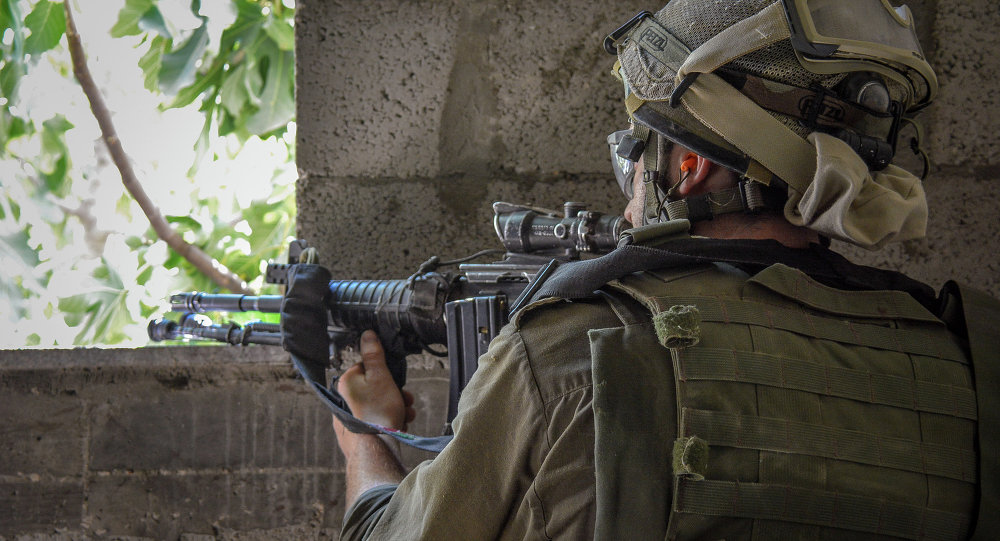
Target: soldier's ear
694,169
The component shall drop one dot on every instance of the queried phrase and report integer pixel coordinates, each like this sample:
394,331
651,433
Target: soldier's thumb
372,354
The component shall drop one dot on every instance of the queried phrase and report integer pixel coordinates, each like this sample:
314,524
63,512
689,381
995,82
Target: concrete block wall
173,443
413,117
420,114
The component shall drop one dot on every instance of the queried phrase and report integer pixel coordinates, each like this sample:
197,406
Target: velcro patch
678,327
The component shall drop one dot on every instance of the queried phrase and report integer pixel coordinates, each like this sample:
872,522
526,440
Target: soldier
723,374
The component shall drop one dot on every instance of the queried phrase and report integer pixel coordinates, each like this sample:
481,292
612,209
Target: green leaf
134,242
110,319
57,125
277,107
124,205
10,78
17,243
56,180
59,233
129,17
143,276
202,143
152,61
11,127
10,17
76,304
55,155
47,23
33,340
234,91
73,319
101,273
146,310
244,30
189,222
152,21
204,82
178,67
281,32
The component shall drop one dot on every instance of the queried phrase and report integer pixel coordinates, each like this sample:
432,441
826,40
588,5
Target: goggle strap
650,157
640,132
651,207
632,103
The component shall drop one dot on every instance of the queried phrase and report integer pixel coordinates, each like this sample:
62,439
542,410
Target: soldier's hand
370,391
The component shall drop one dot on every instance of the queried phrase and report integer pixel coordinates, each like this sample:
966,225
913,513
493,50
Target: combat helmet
803,99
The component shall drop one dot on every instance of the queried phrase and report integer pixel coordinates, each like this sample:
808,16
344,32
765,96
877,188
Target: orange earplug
689,162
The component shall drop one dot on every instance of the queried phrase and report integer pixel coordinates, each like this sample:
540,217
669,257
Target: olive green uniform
842,414
521,465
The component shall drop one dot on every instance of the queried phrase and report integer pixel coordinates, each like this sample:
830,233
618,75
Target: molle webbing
817,507
785,436
800,322
862,385
821,408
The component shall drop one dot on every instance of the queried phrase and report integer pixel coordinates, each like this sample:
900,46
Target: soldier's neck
761,226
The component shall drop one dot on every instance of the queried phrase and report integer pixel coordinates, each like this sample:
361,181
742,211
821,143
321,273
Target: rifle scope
526,230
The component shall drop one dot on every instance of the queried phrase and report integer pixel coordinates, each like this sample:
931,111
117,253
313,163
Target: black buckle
680,89
609,42
631,148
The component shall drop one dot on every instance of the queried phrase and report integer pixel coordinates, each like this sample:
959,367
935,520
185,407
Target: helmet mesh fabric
696,21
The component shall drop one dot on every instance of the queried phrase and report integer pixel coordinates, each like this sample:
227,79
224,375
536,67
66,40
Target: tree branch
202,261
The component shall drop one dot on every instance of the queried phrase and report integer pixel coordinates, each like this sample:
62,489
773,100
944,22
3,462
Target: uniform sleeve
483,477
366,511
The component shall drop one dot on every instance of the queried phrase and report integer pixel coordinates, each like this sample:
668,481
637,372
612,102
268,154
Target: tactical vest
802,411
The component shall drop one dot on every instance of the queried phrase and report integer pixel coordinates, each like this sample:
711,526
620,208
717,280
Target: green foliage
246,86
64,265
48,24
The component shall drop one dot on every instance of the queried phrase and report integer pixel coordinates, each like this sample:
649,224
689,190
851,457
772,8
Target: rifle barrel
200,303
199,327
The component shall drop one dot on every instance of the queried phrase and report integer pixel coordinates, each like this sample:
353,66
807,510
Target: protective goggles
624,168
833,36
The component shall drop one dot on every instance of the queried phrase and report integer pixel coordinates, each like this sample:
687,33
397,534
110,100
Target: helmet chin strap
747,196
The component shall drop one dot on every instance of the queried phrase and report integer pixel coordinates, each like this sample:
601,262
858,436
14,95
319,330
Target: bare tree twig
202,261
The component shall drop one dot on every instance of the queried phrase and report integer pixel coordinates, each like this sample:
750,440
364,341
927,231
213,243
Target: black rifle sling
580,279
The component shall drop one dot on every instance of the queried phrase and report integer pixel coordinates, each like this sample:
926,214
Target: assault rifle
463,310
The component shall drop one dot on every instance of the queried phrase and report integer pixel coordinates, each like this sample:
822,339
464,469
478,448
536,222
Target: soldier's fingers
349,375
372,354
407,398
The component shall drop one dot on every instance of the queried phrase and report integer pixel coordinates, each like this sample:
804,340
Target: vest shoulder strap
580,279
